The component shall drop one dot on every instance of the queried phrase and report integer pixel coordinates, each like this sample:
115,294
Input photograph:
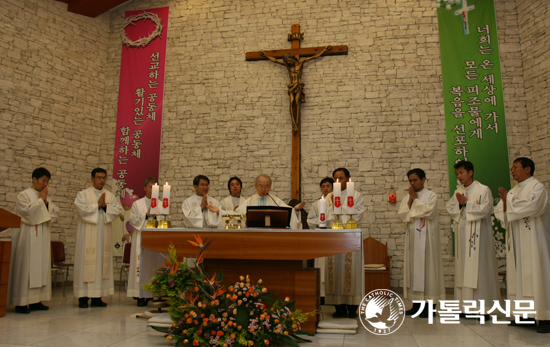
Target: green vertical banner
472,89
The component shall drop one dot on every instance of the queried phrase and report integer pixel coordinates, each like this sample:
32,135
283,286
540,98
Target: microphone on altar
273,200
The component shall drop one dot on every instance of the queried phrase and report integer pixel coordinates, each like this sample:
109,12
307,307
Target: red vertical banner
140,102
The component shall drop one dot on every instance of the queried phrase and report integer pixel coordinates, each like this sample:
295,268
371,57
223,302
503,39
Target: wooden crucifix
291,59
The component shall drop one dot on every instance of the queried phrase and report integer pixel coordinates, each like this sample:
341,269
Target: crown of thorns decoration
142,41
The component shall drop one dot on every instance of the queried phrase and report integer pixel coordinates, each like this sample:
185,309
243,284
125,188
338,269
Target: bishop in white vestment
97,208
30,264
423,266
143,262
523,211
344,283
263,198
200,210
471,206
234,199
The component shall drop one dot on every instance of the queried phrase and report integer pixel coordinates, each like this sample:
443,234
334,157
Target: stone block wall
534,24
52,85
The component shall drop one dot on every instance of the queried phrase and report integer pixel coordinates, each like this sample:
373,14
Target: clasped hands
205,205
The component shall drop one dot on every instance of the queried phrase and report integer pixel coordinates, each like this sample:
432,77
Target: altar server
471,206
523,211
200,210
235,199
423,268
30,265
313,215
97,208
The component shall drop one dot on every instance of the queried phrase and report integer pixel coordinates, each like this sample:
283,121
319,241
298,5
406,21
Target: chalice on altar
238,219
226,218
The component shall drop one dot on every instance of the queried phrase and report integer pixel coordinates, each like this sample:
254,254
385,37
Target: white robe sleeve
88,213
313,215
213,218
535,205
32,213
501,215
453,207
53,209
404,212
137,220
192,216
359,207
114,209
476,209
421,209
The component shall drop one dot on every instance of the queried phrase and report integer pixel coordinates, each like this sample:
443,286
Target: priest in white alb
344,283
97,208
234,199
30,264
523,211
423,266
471,206
262,197
143,262
200,210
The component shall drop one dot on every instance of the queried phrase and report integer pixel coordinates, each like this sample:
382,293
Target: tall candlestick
322,212
337,194
166,198
350,203
154,199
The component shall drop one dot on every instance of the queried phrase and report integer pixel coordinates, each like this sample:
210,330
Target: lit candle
337,194
322,212
154,199
166,198
350,189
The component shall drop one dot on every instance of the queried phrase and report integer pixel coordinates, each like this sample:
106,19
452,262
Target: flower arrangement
207,313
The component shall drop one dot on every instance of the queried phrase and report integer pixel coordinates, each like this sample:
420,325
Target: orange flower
199,332
232,336
266,342
219,333
168,338
174,325
195,343
250,343
199,242
189,320
213,332
174,268
219,291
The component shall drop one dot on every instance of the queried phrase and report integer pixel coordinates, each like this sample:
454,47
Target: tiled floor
65,325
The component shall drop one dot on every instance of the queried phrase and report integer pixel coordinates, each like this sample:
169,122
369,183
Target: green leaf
243,317
291,305
219,278
300,339
287,341
161,329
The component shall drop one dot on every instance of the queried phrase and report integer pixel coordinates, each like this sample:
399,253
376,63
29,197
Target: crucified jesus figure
295,87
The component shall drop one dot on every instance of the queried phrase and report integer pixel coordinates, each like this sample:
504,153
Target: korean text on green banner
472,89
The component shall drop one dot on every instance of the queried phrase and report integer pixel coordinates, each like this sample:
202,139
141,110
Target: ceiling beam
91,8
